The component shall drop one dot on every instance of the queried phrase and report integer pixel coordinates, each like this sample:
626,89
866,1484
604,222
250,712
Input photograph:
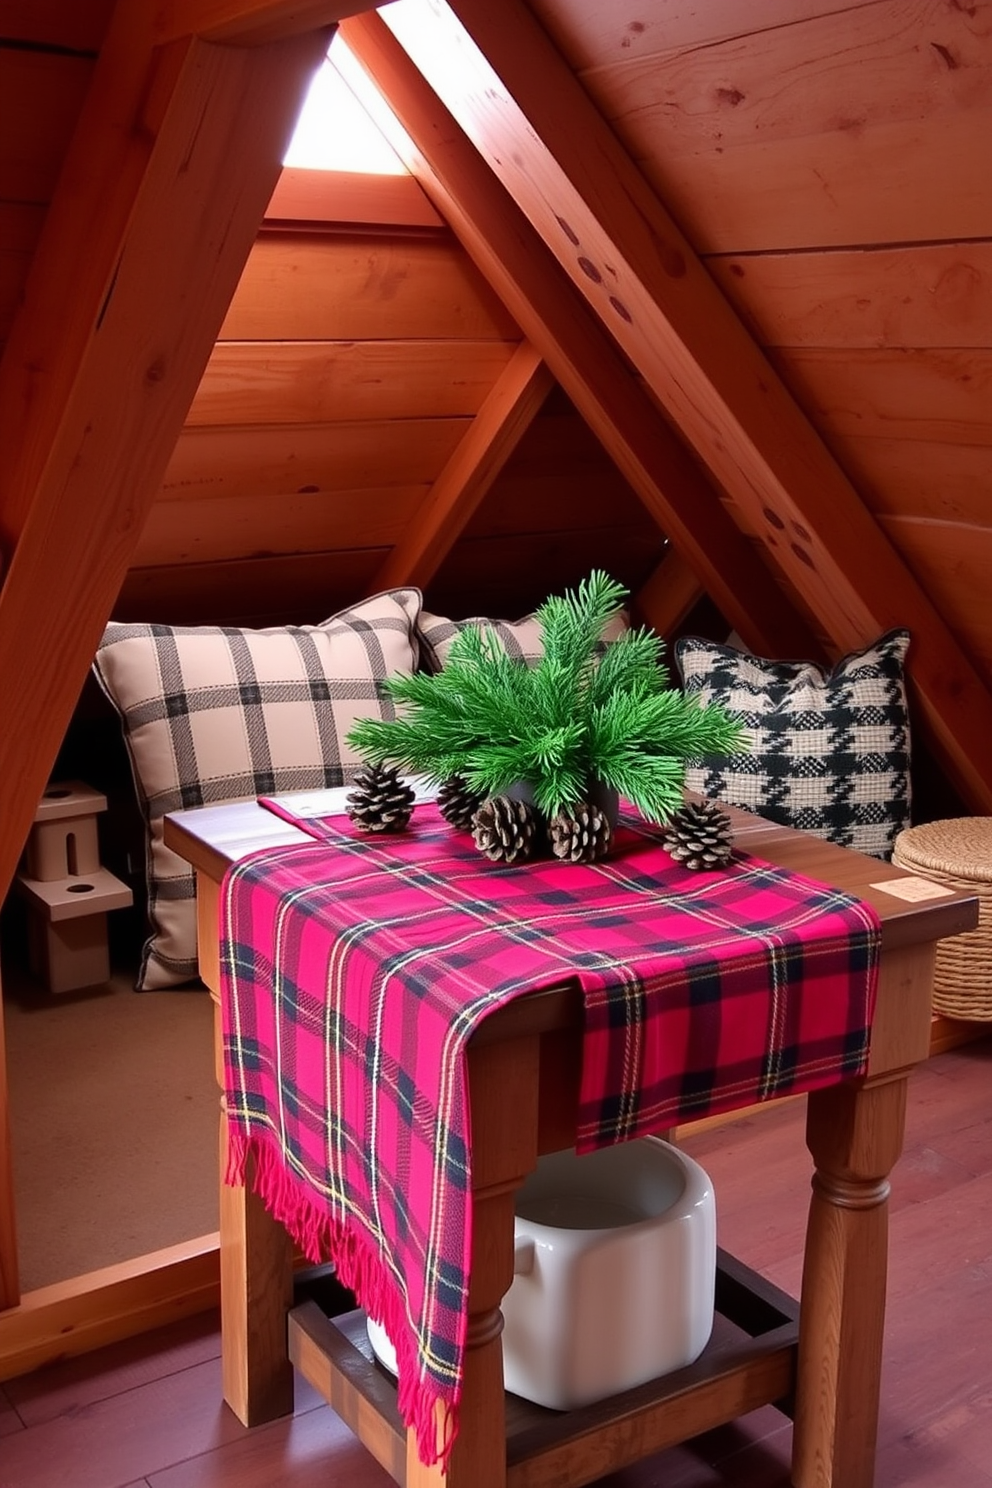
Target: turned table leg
854,1132
503,1082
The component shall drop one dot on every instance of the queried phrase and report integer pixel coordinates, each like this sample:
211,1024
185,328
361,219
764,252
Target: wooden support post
855,1135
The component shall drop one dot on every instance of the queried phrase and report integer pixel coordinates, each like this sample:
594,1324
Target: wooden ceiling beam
554,318
664,600
176,155
539,131
454,498
248,22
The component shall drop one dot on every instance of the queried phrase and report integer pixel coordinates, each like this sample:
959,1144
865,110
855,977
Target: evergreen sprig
574,717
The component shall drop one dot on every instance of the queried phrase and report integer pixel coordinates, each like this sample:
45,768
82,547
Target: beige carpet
114,1117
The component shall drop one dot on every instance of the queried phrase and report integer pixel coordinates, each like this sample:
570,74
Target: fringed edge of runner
433,1417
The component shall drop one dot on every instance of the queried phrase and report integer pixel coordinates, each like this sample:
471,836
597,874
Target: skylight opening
334,132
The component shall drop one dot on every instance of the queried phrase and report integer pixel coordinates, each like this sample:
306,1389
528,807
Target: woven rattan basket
957,852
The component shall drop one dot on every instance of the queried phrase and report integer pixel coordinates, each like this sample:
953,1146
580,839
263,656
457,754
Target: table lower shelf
750,1361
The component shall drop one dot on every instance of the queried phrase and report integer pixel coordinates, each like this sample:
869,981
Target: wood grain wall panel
325,198
218,528
514,401
559,477
954,560
524,503
20,228
243,461
591,34
303,383
299,287
79,26
298,589
940,396
923,295
858,127
912,477
41,94
560,439
508,576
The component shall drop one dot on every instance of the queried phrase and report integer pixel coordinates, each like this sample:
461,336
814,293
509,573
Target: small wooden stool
68,894
957,852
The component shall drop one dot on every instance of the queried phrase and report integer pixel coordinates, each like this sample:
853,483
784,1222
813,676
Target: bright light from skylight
334,132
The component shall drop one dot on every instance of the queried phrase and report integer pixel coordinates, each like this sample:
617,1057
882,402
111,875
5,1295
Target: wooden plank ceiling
507,85
545,166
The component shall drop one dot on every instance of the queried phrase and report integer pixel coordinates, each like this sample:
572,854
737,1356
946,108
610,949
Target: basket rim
960,848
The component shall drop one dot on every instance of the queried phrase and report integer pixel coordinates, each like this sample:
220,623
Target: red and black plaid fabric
355,969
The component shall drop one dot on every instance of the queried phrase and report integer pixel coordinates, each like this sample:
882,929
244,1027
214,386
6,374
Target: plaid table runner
355,969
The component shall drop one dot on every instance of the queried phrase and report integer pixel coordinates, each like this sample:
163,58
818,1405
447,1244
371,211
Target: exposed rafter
456,495
669,594
534,124
247,22
581,355
173,162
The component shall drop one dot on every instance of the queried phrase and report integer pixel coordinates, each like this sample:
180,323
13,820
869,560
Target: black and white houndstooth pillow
829,751
214,713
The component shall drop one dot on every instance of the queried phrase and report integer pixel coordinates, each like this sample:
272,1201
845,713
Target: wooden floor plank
10,1421
128,1436
314,1450
72,1386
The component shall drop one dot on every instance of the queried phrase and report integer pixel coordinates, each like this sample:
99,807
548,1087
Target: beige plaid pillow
521,638
215,713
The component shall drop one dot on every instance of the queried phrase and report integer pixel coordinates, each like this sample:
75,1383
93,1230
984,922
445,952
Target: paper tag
913,889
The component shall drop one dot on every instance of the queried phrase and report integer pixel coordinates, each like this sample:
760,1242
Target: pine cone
458,803
380,800
506,831
581,835
700,836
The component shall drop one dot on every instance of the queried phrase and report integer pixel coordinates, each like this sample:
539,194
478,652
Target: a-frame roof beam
247,22
454,498
535,125
182,146
666,597
583,358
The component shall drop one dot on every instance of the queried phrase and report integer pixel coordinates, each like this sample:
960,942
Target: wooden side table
523,1079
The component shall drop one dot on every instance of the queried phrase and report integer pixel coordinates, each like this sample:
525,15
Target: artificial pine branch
572,718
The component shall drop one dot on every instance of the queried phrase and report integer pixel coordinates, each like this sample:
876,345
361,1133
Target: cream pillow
522,639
